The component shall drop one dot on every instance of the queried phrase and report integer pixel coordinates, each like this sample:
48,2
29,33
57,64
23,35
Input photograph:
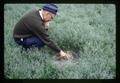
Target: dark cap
51,8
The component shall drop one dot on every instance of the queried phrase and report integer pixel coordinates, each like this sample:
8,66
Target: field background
87,29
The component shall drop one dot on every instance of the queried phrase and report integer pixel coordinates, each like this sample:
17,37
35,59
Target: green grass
88,29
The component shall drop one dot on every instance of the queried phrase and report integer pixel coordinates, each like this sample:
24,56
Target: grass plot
87,29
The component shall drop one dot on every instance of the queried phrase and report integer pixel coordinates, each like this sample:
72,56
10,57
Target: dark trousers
30,42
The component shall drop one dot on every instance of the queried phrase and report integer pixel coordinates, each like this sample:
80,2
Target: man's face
47,16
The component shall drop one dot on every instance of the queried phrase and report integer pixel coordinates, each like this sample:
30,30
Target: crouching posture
31,29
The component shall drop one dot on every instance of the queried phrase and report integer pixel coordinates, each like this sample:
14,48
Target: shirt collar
40,12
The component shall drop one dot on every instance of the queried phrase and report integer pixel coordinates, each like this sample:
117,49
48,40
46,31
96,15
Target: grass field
87,29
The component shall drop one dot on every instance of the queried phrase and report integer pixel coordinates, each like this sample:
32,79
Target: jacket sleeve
39,30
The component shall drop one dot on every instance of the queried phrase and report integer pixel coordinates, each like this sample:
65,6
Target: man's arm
41,33
38,29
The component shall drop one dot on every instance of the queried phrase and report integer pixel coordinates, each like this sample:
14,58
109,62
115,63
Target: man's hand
64,55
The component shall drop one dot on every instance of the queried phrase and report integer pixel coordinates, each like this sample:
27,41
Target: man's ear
45,12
